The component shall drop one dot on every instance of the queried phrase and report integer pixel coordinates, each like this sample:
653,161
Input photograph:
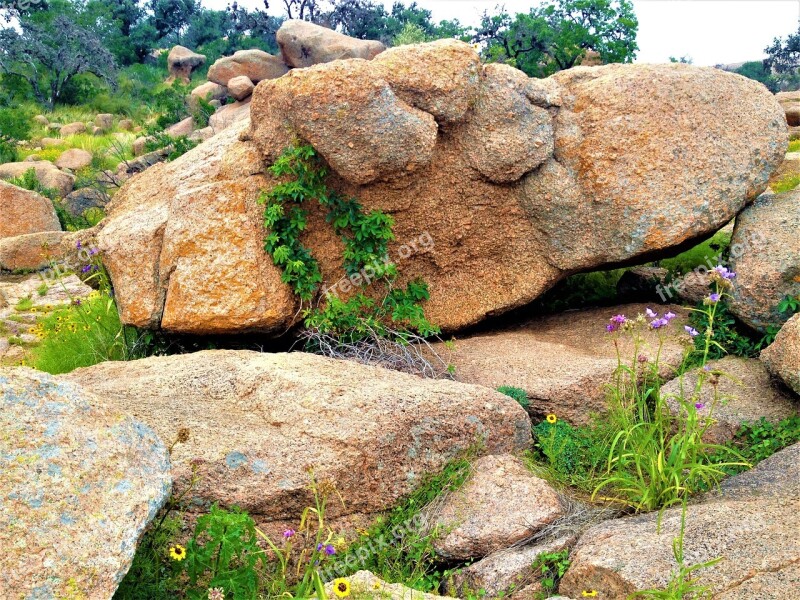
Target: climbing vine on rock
366,237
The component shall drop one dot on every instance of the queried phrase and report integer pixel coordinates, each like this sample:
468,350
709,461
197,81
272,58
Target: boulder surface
503,222
80,483
304,44
25,212
256,65
258,422
181,62
782,357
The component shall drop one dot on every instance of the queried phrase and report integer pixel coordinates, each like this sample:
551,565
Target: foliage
755,70
726,335
701,255
551,566
48,56
15,126
786,183
172,104
411,34
581,290
794,146
783,59
399,546
177,146
658,457
365,237
553,37
517,394
573,455
224,553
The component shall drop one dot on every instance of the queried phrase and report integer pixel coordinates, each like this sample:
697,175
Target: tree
171,17
554,37
48,57
783,59
15,126
755,70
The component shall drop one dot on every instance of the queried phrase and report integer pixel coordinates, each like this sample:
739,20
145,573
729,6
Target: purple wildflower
714,297
93,251
320,546
669,316
289,533
618,319
658,323
77,302
610,328
78,245
699,405
330,550
724,272
86,269
650,314
691,331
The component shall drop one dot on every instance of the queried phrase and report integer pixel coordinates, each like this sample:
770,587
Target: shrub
517,394
15,126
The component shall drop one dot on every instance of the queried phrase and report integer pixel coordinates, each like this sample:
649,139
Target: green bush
15,126
517,394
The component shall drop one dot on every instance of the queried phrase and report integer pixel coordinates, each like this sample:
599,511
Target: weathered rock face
565,361
72,129
702,137
79,201
304,44
25,212
181,62
502,503
765,251
782,357
209,91
790,101
752,524
80,482
256,65
240,87
105,121
46,173
744,392
31,251
258,421
229,115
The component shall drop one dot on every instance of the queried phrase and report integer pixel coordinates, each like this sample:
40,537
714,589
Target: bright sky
710,31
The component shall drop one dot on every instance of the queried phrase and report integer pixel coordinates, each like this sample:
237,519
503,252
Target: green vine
366,237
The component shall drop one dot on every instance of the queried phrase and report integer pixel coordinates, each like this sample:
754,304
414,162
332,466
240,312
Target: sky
709,31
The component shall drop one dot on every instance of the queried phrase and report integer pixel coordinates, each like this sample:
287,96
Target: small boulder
501,504
25,212
181,128
240,87
72,129
259,420
782,357
125,125
304,44
208,91
735,390
511,568
104,121
80,483
228,115
181,62
74,159
32,251
254,64
41,120
765,254
46,142
79,201
139,146
564,361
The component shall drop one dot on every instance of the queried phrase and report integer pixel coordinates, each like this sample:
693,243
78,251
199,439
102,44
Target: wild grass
786,183
794,146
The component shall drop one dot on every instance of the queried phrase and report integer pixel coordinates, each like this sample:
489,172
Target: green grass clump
794,146
786,183
760,440
398,548
24,304
517,394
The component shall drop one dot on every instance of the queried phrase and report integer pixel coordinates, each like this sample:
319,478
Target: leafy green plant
24,304
365,237
177,146
726,336
15,126
551,566
789,182
517,394
224,553
573,455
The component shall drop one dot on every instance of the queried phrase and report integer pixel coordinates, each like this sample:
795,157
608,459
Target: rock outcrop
31,251
501,504
765,254
74,159
751,524
25,212
181,62
782,357
735,390
256,65
565,361
80,483
304,44
258,422
47,174
505,221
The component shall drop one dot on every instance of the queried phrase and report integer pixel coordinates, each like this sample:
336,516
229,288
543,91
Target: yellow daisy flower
341,587
177,552
552,419
589,593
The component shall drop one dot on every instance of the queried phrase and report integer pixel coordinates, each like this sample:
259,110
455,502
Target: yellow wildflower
341,587
552,419
177,552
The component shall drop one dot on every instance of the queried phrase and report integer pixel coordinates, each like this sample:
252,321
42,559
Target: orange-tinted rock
31,251
25,212
47,174
304,44
782,357
256,65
